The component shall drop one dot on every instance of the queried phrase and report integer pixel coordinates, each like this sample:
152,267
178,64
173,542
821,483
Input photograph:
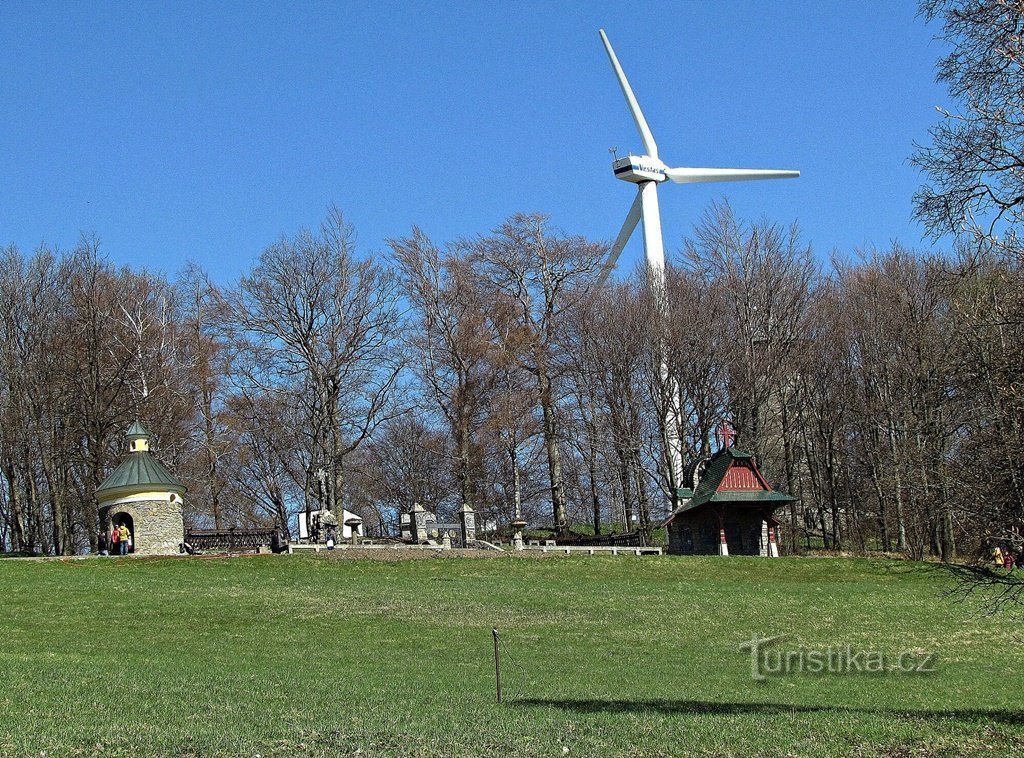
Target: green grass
611,656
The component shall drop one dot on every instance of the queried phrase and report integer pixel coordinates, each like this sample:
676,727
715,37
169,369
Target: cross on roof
728,434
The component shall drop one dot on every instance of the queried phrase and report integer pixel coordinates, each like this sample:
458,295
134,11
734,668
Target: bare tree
316,324
615,353
975,163
211,442
452,343
767,274
407,462
537,276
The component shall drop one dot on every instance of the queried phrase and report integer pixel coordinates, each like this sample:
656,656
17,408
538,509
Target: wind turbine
648,171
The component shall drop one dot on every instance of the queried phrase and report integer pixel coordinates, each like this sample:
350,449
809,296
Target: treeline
883,391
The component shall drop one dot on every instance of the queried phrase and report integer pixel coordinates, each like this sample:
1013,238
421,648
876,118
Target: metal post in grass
497,664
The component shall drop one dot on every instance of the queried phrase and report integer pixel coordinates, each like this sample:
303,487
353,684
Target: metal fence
628,539
229,539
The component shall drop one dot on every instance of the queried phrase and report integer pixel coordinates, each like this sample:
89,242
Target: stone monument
420,527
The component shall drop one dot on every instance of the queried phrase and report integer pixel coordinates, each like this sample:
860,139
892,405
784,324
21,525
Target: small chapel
726,507
142,494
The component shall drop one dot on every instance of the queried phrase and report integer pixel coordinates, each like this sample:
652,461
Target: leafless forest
883,390
881,387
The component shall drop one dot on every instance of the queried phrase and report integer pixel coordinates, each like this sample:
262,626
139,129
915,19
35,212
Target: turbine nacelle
639,169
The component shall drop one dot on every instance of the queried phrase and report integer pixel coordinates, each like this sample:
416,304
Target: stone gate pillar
467,520
769,544
418,523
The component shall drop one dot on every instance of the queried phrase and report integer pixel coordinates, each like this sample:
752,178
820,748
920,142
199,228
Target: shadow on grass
710,707
994,590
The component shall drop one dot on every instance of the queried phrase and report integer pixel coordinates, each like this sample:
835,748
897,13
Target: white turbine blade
700,175
632,219
641,123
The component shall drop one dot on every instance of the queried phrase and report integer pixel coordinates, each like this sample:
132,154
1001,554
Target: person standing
115,540
101,542
123,536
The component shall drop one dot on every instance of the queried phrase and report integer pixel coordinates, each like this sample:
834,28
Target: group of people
1006,557
118,543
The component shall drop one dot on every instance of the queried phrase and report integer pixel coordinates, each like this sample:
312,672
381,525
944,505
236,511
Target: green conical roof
140,470
137,430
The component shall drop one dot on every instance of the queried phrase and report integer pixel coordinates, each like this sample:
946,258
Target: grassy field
280,654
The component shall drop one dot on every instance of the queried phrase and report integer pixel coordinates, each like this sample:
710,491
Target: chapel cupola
138,438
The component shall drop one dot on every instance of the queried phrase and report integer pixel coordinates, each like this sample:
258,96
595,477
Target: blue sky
203,131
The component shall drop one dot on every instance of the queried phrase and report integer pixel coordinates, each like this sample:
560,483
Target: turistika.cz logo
767,659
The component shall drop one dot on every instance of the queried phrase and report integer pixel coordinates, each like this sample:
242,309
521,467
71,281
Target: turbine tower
648,171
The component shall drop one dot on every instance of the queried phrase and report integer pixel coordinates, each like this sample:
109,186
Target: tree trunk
595,500
645,504
462,437
91,513
211,460
17,536
787,450
558,505
57,515
883,511
901,525
948,546
626,484
517,487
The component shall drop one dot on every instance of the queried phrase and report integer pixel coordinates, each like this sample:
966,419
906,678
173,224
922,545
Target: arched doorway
126,519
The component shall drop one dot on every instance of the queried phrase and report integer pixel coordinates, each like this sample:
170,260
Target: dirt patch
350,554
400,554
